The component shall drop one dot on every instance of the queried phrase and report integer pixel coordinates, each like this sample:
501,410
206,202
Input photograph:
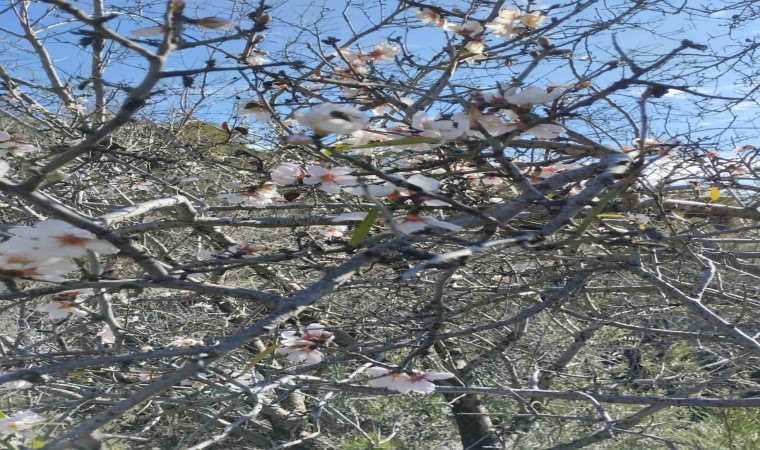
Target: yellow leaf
714,193
37,443
257,358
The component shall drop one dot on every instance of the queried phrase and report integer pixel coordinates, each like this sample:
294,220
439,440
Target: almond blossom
546,131
405,383
60,309
333,231
257,109
17,149
4,168
533,20
413,223
286,174
531,95
247,250
429,15
467,28
328,118
5,136
304,346
382,52
330,180
445,129
504,25
17,385
16,263
186,343
258,197
60,239
106,335
20,422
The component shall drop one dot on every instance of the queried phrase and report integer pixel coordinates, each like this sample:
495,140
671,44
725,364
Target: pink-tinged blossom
286,174
333,231
429,15
106,335
20,264
5,136
413,223
257,109
330,180
20,422
531,95
247,250
304,346
494,125
4,168
57,238
186,343
17,149
328,118
550,171
467,28
60,309
420,382
361,137
17,385
382,52
258,198
533,20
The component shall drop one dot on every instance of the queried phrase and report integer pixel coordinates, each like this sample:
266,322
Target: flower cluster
20,424
40,251
65,303
257,196
304,346
405,383
10,145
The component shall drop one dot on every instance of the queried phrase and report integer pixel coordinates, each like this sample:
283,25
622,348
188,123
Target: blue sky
671,115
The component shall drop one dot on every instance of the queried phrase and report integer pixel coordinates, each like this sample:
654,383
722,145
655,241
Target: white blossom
405,383
328,118
413,223
286,173
330,180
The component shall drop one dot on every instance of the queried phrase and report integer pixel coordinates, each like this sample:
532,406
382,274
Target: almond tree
379,225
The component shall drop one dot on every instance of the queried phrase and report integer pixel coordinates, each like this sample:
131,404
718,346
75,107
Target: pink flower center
71,240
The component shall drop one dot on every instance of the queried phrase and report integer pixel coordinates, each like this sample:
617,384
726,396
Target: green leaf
392,143
260,356
364,227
